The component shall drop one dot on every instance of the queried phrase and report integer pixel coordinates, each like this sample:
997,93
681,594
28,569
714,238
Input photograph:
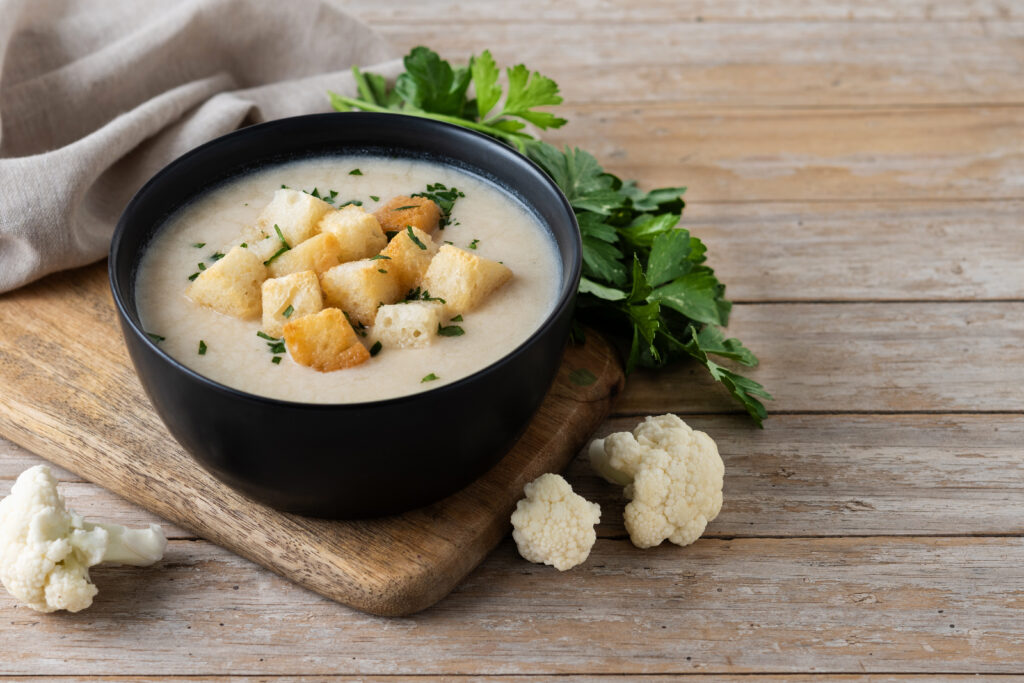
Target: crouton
359,288
408,258
231,285
419,212
407,325
324,341
319,254
463,279
296,213
359,234
289,298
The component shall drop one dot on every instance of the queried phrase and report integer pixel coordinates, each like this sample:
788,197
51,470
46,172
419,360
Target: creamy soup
488,220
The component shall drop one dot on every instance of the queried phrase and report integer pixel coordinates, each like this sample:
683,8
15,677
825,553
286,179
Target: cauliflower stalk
46,550
673,478
553,524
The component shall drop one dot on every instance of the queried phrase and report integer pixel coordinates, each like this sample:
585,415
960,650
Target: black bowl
362,459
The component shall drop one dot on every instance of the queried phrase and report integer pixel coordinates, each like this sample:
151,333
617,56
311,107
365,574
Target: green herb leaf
202,348
600,291
429,378
264,335
243,245
582,377
694,295
287,313
374,197
669,259
355,171
199,245
217,257
378,257
414,238
473,244
193,276
276,360
743,389
406,208
457,319
450,331
375,349
485,82
444,197
155,337
431,84
202,266
280,235
275,255
381,270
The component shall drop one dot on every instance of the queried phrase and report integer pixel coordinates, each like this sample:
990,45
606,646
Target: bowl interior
318,135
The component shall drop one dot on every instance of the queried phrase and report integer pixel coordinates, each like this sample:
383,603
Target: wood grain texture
80,406
955,357
514,678
864,251
884,605
806,475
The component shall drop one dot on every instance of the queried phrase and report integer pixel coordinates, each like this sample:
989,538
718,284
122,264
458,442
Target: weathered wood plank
671,57
750,156
859,357
655,678
870,251
824,605
383,13
816,475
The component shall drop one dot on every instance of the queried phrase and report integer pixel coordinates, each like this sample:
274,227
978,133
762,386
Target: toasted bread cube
419,212
319,254
408,325
324,341
359,288
231,285
407,259
463,279
262,246
298,291
359,234
296,213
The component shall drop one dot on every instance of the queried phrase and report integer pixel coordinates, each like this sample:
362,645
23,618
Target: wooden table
857,170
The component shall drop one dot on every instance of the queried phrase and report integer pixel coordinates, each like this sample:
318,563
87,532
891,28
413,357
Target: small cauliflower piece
419,212
463,279
360,287
553,524
358,233
295,213
46,550
408,255
673,477
319,254
299,292
231,285
408,325
324,341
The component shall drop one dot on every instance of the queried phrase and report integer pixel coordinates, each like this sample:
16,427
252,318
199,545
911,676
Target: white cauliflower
673,478
46,550
553,525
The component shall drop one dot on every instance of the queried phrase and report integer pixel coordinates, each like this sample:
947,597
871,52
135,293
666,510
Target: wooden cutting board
68,392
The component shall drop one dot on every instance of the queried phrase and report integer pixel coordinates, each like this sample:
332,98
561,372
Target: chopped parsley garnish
375,349
244,245
406,208
156,338
378,257
202,348
353,202
280,236
193,276
374,197
277,347
283,186
449,242
328,197
457,319
450,331
414,238
429,378
276,254
472,245
217,257
264,335
276,360
444,198
202,266
381,270
355,171
421,295
288,311
199,245
582,377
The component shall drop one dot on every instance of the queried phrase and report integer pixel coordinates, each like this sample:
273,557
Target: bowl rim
566,298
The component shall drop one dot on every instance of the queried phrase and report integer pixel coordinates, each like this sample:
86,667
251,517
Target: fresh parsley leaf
406,208
669,258
457,319
600,291
693,295
431,84
199,245
374,197
217,257
355,171
280,235
743,389
276,360
485,81
444,197
450,330
414,238
474,243
264,335
378,257
155,337
287,313
193,276
429,378
202,348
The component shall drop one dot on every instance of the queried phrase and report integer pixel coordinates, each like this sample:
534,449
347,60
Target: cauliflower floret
553,525
46,550
673,478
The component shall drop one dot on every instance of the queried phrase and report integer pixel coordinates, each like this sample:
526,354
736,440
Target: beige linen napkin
98,95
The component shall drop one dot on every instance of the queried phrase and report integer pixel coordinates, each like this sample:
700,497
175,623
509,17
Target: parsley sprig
645,280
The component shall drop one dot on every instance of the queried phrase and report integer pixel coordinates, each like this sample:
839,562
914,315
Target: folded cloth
98,95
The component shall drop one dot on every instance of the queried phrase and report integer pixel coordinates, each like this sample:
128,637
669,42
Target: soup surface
487,219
